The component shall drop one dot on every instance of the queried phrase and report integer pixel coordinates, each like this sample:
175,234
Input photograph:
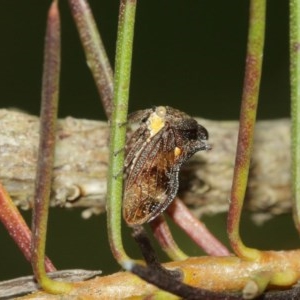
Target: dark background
188,54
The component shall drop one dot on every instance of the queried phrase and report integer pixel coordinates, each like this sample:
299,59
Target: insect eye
195,134
202,133
191,134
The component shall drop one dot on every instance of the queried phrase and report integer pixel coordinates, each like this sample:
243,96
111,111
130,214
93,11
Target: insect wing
165,139
151,184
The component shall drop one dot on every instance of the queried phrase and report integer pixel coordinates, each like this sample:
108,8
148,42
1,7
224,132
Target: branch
82,157
27,284
199,272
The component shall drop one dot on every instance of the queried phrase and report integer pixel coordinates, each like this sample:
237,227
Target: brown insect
164,140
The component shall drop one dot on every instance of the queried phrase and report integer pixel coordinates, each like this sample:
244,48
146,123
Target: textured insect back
164,140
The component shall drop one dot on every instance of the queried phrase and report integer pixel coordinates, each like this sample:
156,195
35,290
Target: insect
164,140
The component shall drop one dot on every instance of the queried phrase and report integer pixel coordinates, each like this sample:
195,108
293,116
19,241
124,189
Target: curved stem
17,227
46,153
195,229
295,104
118,130
246,129
162,233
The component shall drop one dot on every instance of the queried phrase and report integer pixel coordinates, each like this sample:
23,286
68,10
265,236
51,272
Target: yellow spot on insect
177,152
156,121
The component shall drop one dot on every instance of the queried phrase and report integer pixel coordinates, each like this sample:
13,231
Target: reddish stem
95,53
17,227
249,104
195,229
162,233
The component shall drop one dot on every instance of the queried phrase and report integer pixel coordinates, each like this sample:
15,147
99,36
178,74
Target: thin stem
195,229
247,122
17,227
295,105
162,233
95,53
118,130
49,105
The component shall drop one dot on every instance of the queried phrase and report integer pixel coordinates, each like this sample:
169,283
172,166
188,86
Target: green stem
46,153
247,122
295,105
118,128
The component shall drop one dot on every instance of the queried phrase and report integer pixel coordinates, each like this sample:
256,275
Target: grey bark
81,165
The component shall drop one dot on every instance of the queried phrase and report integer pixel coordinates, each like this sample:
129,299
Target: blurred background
187,54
